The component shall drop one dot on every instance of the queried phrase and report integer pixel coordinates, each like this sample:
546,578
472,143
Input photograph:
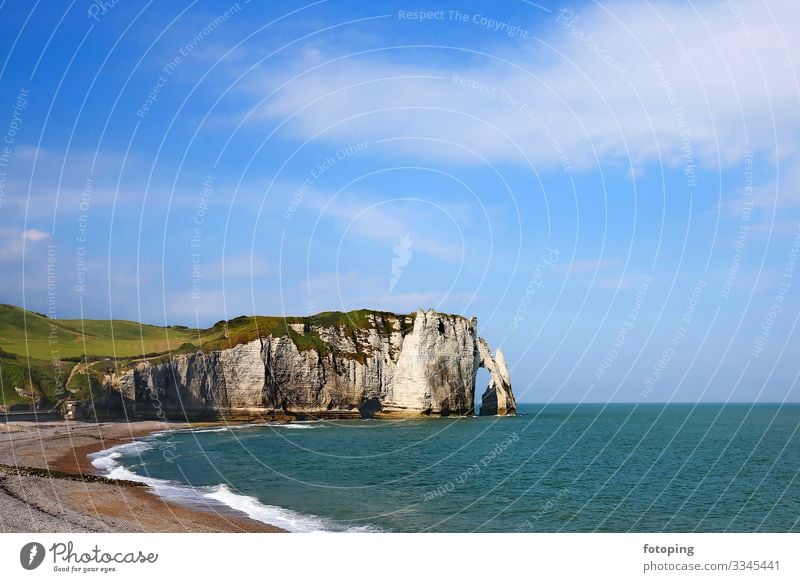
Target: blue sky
611,188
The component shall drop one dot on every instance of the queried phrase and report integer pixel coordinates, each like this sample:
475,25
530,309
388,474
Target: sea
550,468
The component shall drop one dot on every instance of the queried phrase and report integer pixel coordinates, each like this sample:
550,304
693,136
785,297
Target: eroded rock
424,363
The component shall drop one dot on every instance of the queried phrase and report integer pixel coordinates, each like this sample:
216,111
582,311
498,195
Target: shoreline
34,503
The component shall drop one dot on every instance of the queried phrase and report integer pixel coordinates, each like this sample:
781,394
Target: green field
30,334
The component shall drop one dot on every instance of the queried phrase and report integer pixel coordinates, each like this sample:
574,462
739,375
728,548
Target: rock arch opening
482,379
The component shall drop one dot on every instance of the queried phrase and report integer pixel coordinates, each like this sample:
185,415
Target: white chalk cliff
423,363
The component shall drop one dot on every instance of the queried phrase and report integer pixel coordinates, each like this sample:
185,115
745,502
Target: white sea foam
298,424
277,516
107,461
202,430
294,426
225,428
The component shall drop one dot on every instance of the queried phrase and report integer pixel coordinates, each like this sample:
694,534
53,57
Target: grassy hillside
35,378
26,333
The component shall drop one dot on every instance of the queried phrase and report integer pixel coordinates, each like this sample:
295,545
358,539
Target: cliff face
391,365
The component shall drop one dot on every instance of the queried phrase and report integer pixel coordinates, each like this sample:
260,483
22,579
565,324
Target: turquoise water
576,468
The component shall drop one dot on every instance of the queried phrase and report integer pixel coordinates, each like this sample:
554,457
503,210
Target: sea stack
498,399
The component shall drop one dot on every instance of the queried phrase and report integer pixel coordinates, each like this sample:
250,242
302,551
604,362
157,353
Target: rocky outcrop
498,398
424,363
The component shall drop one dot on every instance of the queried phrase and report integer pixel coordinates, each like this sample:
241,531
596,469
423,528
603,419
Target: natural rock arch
498,399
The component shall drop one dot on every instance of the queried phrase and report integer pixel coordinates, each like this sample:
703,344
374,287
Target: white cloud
724,80
34,234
